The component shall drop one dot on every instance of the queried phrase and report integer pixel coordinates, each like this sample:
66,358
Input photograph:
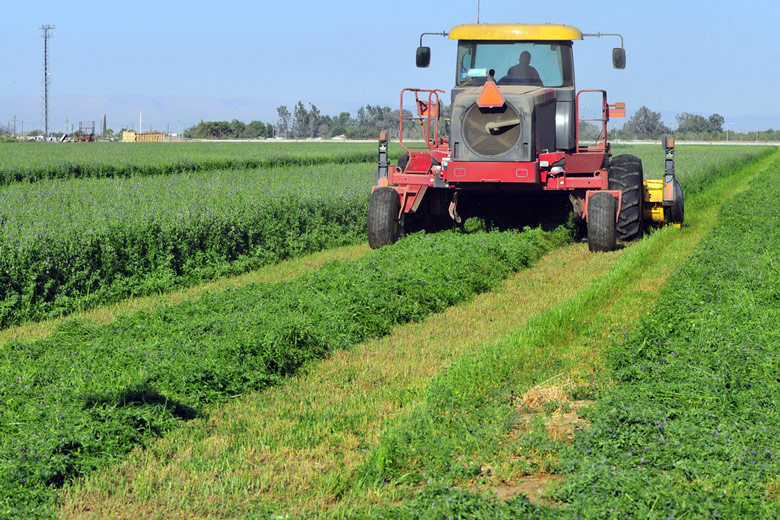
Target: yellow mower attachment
654,201
663,198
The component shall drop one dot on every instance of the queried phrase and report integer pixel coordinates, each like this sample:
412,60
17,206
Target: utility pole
46,75
14,125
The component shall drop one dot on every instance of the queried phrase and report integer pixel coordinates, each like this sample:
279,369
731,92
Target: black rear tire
602,207
677,211
383,210
625,174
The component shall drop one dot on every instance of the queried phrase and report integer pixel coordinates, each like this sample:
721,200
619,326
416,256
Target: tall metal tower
46,75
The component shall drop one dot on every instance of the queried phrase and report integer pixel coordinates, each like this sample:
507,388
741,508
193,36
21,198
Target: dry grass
553,401
551,404
551,391
282,271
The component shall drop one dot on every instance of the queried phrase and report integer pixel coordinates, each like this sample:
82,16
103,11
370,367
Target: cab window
546,64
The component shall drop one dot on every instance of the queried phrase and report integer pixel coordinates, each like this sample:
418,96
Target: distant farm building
129,136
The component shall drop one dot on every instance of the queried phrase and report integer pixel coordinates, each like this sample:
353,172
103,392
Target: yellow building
129,136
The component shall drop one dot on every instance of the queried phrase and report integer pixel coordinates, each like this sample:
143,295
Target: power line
46,75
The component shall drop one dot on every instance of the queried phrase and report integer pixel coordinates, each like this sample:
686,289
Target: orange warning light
668,191
490,96
617,110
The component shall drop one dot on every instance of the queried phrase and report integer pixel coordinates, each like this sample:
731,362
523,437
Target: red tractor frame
583,173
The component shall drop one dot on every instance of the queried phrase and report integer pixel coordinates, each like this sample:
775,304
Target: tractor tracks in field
296,448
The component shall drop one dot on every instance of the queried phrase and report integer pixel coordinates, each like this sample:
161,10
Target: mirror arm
432,34
598,35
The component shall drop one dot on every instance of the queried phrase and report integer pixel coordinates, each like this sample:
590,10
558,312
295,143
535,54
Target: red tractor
86,132
515,128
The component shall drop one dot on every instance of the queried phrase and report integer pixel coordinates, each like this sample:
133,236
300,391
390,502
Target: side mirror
619,58
423,57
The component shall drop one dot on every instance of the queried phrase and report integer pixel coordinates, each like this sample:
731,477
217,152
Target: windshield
515,63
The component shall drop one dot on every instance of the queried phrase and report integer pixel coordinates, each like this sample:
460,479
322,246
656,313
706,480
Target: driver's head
525,58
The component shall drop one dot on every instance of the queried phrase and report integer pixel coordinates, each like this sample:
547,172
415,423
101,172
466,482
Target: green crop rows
696,165
692,429
74,244
71,244
78,400
32,162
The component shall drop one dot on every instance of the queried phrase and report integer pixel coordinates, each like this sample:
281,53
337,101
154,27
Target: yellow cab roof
515,31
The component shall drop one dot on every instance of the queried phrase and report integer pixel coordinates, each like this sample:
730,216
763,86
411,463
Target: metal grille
491,142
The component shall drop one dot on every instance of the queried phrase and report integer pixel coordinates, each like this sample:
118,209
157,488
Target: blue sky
178,62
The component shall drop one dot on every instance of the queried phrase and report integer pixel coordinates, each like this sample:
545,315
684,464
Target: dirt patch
552,401
546,410
534,488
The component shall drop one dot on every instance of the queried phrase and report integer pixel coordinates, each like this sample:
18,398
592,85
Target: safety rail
607,110
426,111
602,145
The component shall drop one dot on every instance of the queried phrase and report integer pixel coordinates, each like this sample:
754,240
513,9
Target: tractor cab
514,127
533,65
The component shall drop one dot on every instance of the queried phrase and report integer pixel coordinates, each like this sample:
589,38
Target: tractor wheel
601,222
383,210
625,174
678,209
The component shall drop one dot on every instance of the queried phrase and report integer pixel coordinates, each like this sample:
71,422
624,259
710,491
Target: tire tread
625,174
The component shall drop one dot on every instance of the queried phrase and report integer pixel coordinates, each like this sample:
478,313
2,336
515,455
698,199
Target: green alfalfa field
218,403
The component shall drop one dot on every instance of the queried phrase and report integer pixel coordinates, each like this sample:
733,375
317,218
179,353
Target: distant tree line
306,122
234,130
646,124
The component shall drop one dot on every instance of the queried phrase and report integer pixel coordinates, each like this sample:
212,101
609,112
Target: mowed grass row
284,270
85,396
74,244
692,427
32,162
685,423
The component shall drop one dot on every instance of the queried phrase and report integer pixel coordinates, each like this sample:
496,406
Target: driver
524,71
